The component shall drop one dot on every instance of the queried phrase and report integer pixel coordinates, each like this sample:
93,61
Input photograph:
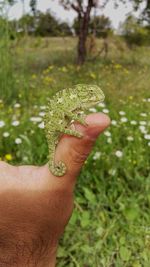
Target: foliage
25,22
8,88
64,29
33,5
146,10
44,24
110,225
47,25
135,33
100,25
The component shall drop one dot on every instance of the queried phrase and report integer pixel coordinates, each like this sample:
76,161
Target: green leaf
122,240
89,196
74,218
137,264
85,219
131,213
61,252
125,253
100,231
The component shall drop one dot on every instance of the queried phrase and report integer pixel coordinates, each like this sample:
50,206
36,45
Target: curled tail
58,169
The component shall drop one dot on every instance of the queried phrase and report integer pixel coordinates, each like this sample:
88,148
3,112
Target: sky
116,15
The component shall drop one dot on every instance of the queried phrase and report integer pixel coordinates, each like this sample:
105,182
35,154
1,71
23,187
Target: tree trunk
81,49
83,33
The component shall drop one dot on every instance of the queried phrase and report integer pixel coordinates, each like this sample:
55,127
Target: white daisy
113,122
119,154
133,122
142,122
97,155
15,123
18,141
112,172
102,105
142,129
92,110
41,125
147,136
105,110
130,138
6,134
43,107
122,113
123,119
107,133
2,124
42,113
143,114
17,105
36,119
109,140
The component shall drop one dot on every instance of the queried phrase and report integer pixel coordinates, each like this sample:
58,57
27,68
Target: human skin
35,206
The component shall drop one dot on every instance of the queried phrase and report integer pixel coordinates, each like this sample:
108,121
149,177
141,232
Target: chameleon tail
58,169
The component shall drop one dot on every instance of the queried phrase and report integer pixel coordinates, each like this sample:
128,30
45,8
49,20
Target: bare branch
92,3
76,8
80,5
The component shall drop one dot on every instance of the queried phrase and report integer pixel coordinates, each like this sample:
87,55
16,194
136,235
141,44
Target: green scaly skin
67,106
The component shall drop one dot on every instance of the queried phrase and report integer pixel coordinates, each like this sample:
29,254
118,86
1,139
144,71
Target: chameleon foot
78,118
72,132
59,169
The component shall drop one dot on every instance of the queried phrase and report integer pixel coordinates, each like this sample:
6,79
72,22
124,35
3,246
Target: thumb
73,151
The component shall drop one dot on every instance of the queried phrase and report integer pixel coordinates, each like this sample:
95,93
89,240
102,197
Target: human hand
35,206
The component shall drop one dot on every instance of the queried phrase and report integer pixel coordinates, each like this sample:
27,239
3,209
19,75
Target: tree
146,12
47,24
100,25
83,12
134,32
33,5
142,5
26,23
64,29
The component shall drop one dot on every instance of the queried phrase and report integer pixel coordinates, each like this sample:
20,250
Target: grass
110,226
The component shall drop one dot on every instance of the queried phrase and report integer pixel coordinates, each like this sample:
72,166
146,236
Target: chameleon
64,108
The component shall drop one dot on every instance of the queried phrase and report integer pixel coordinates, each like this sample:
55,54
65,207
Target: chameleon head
90,95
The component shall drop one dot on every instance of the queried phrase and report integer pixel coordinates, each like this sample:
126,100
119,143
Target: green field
110,226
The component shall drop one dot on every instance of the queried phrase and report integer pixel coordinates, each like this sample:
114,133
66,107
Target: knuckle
79,156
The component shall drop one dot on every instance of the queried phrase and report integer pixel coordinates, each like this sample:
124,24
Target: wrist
26,254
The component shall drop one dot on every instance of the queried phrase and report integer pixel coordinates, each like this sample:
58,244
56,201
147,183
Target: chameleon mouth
93,104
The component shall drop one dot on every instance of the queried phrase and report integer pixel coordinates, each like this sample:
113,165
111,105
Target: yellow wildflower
33,76
48,79
126,71
117,66
1,105
64,69
51,67
8,157
92,75
46,71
